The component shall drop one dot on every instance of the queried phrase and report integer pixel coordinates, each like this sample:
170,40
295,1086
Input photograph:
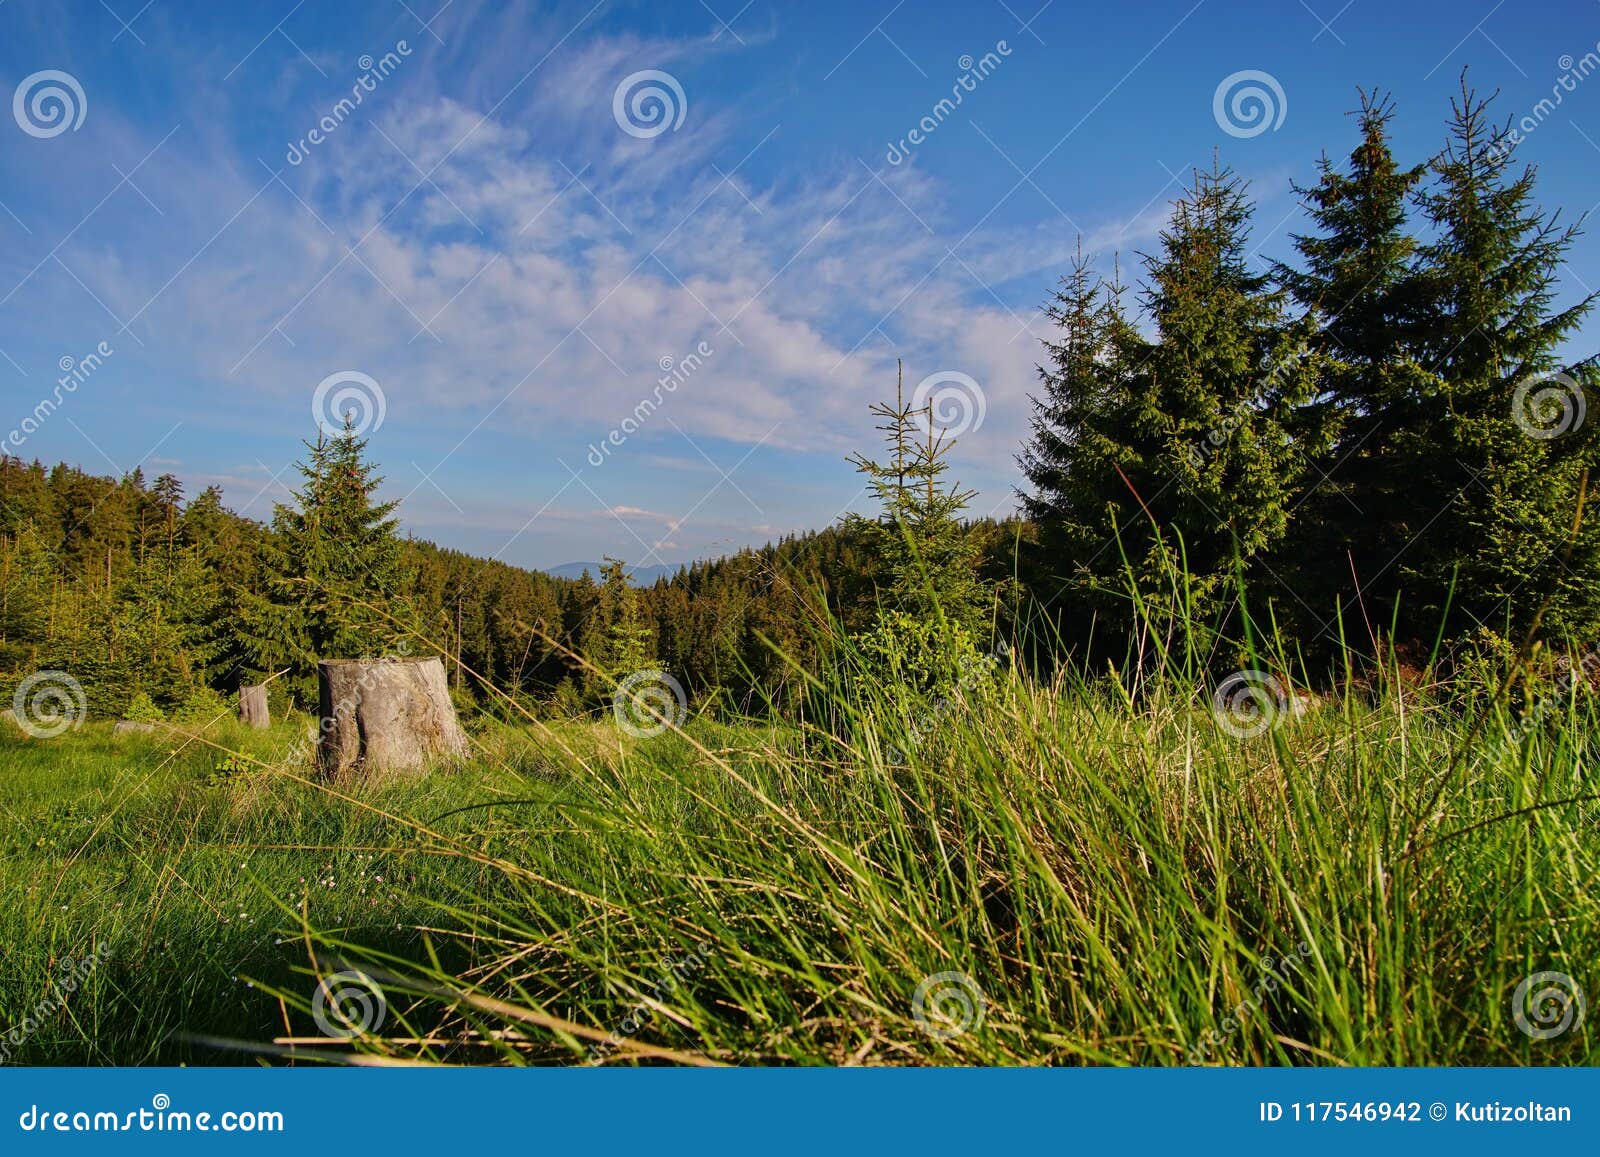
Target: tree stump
384,715
253,706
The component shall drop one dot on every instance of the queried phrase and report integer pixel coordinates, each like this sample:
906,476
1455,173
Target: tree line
136,591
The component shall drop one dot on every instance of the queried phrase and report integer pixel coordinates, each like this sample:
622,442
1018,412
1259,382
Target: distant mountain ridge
639,576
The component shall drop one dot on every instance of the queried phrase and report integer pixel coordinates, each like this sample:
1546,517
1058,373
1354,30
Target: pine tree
165,605
164,505
333,567
931,607
1360,289
1081,433
1171,461
229,549
1503,448
618,639
930,559
32,577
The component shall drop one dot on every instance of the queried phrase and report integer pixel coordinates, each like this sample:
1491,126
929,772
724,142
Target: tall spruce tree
1082,434
1173,460
1504,448
1360,289
333,567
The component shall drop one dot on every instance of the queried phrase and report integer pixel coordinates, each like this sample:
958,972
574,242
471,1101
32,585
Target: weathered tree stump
124,725
384,715
253,706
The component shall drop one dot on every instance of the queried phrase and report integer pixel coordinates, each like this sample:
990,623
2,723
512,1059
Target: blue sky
505,247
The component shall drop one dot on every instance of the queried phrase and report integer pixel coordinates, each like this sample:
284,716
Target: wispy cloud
505,260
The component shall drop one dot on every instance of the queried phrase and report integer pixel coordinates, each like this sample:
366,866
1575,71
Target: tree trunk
384,715
253,706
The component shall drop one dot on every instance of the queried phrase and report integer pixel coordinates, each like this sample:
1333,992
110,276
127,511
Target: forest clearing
1170,641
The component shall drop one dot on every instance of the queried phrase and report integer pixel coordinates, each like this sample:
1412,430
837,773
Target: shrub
931,661
201,705
567,702
142,709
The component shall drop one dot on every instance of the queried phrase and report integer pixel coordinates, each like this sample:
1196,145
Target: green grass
195,882
1123,880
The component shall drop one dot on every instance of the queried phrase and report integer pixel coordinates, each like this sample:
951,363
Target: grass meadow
1065,873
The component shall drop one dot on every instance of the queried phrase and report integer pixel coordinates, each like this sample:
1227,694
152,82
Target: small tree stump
253,706
384,715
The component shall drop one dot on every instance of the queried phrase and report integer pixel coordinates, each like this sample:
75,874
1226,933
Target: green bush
229,769
202,705
567,702
142,709
930,661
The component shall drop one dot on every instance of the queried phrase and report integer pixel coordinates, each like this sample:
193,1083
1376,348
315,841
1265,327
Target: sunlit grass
1122,879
